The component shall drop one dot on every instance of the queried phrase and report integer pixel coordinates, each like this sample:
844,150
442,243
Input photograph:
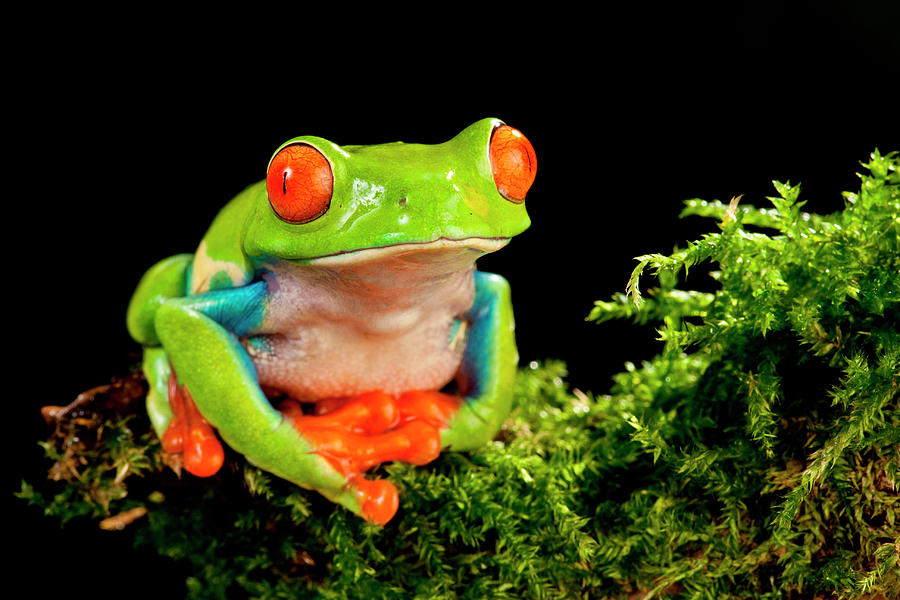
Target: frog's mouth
438,249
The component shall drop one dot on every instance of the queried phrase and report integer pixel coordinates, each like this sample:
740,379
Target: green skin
190,312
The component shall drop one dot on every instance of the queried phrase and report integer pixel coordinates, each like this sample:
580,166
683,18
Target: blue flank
240,310
237,311
479,358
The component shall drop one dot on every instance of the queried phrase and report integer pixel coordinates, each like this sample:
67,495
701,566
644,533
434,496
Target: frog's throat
475,245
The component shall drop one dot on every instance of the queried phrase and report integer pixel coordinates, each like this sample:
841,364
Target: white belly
331,333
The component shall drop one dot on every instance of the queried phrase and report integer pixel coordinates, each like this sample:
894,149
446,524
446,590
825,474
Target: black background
132,141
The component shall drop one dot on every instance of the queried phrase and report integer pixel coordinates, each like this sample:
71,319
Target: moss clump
756,456
772,413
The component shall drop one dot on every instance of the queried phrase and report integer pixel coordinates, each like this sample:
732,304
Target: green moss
756,456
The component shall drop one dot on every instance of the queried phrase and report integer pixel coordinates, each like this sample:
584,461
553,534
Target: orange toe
435,408
203,452
379,499
422,445
191,435
372,412
173,437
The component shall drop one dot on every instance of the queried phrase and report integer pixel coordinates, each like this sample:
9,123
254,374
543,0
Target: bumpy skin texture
371,306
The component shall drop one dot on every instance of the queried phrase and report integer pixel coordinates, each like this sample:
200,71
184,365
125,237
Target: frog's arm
488,368
200,334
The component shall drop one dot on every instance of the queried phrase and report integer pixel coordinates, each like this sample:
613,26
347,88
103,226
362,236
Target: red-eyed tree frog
332,319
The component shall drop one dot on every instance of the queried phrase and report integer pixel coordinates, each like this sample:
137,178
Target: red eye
299,183
513,163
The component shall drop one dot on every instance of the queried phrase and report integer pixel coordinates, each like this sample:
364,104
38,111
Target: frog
332,317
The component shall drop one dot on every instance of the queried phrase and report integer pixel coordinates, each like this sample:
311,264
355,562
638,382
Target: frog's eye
513,163
299,183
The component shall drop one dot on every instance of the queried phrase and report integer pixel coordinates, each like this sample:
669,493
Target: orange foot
189,434
359,432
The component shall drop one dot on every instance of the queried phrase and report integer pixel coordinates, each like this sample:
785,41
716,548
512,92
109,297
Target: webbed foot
357,433
191,435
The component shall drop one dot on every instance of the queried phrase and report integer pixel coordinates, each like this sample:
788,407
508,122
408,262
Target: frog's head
326,202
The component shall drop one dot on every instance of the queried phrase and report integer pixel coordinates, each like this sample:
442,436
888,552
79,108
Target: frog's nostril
402,202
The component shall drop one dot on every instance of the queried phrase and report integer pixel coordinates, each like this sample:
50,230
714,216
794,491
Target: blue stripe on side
239,310
480,355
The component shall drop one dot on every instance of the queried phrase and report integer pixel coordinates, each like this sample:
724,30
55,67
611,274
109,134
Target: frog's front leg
200,334
488,369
